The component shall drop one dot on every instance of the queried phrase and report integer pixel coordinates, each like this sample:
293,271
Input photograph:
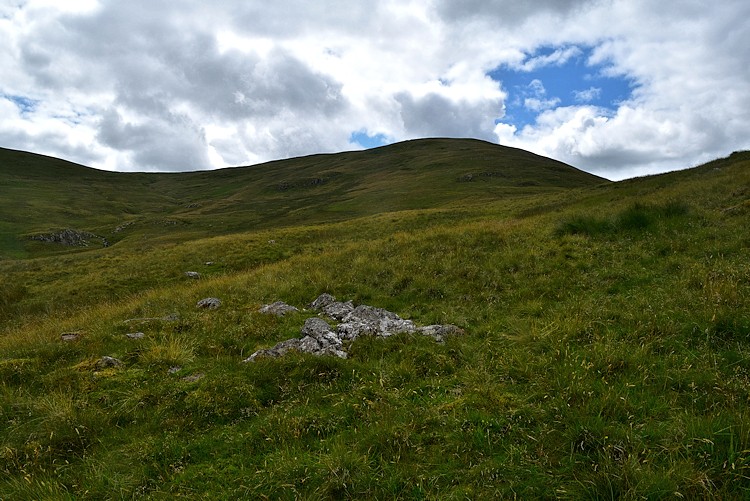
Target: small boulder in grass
70,336
209,303
192,274
279,308
107,362
135,335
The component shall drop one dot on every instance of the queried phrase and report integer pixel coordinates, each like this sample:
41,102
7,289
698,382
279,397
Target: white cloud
556,58
536,97
146,85
588,95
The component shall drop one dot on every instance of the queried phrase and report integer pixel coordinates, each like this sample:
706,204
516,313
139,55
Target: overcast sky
615,87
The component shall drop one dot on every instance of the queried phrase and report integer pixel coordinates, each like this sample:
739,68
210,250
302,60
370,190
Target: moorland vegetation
605,350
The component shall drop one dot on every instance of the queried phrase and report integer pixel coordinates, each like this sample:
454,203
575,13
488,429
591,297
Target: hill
42,194
604,349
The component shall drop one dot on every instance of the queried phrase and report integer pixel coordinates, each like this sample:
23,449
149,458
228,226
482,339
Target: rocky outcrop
320,338
74,238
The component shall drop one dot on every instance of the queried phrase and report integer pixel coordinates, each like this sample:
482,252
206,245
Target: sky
619,88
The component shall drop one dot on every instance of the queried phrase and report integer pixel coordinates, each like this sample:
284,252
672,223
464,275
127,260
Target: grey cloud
166,63
436,115
52,144
510,12
299,17
172,79
170,142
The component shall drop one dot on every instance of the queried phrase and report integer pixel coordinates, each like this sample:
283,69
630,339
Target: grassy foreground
606,354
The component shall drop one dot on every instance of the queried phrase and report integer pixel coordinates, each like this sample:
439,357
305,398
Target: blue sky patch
25,104
558,76
367,141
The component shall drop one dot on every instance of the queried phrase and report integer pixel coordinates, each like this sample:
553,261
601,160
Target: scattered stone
174,369
272,241
194,377
209,263
107,362
135,335
319,338
70,336
279,308
192,274
209,303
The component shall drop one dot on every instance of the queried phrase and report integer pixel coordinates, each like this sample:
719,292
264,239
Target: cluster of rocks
320,338
74,238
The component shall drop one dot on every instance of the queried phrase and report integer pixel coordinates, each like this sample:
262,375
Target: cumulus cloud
175,86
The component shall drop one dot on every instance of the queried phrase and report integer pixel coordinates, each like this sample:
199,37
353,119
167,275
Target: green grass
606,354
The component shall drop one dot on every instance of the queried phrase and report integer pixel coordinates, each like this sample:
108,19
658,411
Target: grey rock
107,362
316,328
319,338
440,332
70,237
135,335
369,320
279,308
174,369
338,311
321,301
192,274
328,305
194,377
209,303
276,351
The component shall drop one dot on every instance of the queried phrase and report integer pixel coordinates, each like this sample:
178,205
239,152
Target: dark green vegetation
607,346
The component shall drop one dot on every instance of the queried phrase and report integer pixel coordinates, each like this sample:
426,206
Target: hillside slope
605,353
41,194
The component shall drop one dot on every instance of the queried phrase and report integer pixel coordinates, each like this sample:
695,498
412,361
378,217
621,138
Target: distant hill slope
43,194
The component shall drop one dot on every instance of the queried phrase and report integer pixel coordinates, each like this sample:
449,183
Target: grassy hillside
41,194
606,350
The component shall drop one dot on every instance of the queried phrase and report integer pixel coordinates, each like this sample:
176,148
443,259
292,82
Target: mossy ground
606,355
